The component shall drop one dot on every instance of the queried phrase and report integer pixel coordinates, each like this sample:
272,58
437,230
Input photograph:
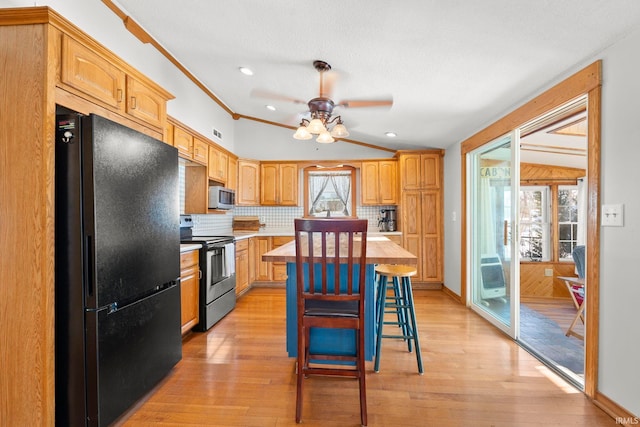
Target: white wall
619,373
452,214
619,369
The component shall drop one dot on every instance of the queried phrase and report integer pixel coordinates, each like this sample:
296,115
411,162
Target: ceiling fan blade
261,93
362,104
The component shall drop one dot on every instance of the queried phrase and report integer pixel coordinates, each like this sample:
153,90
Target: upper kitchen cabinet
232,179
183,141
200,151
218,165
248,192
94,74
379,182
278,184
420,170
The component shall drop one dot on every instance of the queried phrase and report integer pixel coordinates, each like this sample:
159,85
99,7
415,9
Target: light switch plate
612,216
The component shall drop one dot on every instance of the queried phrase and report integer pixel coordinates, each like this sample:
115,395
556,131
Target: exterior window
567,221
534,223
329,192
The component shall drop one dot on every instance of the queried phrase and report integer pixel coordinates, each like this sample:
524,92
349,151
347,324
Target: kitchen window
329,192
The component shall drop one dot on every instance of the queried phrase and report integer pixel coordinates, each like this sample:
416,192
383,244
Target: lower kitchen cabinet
280,268
263,268
242,266
189,299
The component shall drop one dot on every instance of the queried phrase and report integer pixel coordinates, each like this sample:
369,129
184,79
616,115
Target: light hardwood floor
238,374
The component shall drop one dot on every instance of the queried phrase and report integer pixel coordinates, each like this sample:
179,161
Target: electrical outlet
548,272
612,215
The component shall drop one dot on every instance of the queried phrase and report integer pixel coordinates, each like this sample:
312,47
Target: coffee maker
387,220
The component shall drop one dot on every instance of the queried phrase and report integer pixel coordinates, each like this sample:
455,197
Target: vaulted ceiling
450,67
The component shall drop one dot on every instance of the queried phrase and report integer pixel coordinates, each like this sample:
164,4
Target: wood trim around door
587,81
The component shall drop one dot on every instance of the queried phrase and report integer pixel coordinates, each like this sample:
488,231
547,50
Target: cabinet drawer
188,259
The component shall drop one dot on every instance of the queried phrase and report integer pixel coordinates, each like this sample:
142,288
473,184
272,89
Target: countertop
380,250
287,231
186,247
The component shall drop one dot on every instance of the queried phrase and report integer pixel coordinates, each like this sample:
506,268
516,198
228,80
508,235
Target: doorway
585,83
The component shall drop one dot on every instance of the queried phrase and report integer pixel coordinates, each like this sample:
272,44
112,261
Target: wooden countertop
380,250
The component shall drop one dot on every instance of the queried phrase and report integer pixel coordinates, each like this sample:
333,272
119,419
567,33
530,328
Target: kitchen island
380,250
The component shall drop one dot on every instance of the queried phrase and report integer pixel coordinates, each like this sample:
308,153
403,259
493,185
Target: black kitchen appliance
218,283
117,267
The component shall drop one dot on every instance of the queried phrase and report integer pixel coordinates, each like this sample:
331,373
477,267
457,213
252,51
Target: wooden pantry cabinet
421,211
278,184
379,182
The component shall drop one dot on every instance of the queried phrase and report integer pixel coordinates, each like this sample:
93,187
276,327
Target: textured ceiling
452,67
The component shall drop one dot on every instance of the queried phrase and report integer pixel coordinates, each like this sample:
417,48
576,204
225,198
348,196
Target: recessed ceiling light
246,71
270,107
391,134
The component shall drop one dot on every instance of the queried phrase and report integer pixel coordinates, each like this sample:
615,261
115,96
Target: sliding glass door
493,207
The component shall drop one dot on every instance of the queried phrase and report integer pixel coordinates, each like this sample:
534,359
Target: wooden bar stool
400,304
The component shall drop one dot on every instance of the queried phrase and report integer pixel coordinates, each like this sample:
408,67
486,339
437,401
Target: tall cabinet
421,211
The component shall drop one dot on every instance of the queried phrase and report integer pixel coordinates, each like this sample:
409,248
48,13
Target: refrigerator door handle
89,276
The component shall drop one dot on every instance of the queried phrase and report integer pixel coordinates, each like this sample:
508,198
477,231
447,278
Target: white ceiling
452,67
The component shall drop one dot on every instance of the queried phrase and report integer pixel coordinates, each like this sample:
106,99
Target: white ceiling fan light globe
325,138
302,133
316,127
339,131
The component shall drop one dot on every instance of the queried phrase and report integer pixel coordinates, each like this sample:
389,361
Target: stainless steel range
218,281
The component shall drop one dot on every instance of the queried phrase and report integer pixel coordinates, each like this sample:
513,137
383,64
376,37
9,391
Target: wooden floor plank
238,374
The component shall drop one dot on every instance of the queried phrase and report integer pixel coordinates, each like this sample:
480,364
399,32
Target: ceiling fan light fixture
316,127
339,131
302,133
325,138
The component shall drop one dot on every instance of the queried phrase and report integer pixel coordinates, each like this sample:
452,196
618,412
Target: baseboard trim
617,412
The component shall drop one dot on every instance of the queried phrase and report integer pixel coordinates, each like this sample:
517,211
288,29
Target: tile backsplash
273,217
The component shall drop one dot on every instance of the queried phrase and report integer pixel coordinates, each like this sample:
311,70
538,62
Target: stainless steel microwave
221,198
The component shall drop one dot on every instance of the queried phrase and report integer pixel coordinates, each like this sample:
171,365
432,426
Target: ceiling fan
321,109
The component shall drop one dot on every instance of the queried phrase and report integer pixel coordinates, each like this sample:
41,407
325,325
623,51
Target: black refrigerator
117,267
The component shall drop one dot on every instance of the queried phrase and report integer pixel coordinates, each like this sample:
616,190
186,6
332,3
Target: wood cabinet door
410,171
242,271
252,258
232,173
189,298
145,103
86,71
388,182
288,184
431,236
183,141
269,179
248,193
167,135
430,165
200,151
411,226
369,180
263,268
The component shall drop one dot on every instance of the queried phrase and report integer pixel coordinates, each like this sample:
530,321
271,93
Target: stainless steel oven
218,283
